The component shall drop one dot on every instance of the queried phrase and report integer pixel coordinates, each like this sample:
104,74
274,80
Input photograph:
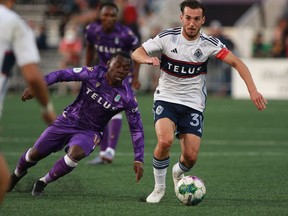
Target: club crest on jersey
198,53
117,98
159,110
116,41
98,84
90,69
77,70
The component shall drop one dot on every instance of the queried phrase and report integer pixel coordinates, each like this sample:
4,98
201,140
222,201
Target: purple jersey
121,38
98,102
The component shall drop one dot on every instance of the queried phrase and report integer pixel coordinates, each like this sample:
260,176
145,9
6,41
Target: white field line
176,154
5,140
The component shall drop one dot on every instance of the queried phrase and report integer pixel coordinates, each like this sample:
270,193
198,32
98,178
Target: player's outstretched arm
37,84
140,56
256,97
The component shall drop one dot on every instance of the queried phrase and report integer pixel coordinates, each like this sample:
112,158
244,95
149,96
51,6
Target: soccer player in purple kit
105,37
79,128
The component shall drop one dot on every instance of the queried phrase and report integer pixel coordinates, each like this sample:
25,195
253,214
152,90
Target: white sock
102,153
177,171
160,177
111,151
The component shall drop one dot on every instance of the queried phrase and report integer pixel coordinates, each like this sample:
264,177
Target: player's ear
181,17
203,20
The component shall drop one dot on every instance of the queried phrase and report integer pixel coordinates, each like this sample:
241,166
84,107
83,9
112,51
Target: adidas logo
174,50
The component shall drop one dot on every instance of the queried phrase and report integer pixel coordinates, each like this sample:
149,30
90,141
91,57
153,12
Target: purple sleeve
88,33
136,129
133,40
66,75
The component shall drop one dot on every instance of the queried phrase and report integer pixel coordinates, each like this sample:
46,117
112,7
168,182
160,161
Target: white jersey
184,66
16,36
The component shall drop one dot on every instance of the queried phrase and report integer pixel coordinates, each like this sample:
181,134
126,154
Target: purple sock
114,131
23,164
59,169
104,141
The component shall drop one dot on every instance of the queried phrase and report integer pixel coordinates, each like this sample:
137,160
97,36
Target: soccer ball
190,190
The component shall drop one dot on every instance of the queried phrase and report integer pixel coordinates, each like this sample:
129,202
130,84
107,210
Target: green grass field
243,161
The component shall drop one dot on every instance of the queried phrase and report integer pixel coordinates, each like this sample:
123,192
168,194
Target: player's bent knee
165,143
190,160
34,155
76,153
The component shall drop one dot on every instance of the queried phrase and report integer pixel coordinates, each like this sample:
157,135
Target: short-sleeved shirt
184,66
17,37
121,38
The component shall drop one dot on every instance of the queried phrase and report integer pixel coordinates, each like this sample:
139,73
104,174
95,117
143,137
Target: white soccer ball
190,190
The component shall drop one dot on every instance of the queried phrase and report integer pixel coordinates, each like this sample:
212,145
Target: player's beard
191,34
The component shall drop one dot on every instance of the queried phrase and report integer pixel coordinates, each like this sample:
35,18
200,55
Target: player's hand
27,94
155,61
259,101
138,169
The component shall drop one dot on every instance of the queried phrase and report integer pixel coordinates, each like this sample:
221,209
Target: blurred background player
79,128
18,40
105,37
7,65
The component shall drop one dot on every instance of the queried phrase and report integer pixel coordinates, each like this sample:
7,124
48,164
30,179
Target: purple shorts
60,135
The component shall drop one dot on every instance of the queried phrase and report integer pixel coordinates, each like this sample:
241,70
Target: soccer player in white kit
16,37
180,98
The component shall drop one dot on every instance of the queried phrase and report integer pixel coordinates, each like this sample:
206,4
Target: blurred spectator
219,78
70,48
286,43
278,43
41,38
93,4
149,74
71,45
130,17
260,49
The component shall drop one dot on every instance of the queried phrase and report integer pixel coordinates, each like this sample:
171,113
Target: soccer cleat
96,161
176,180
104,159
14,180
156,195
38,188
107,157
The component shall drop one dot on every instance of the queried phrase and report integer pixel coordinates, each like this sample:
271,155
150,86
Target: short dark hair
194,4
123,54
109,4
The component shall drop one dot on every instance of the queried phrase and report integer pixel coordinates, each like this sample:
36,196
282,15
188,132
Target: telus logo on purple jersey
100,100
106,49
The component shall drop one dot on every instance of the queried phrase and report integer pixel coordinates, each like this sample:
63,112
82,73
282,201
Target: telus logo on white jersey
182,69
